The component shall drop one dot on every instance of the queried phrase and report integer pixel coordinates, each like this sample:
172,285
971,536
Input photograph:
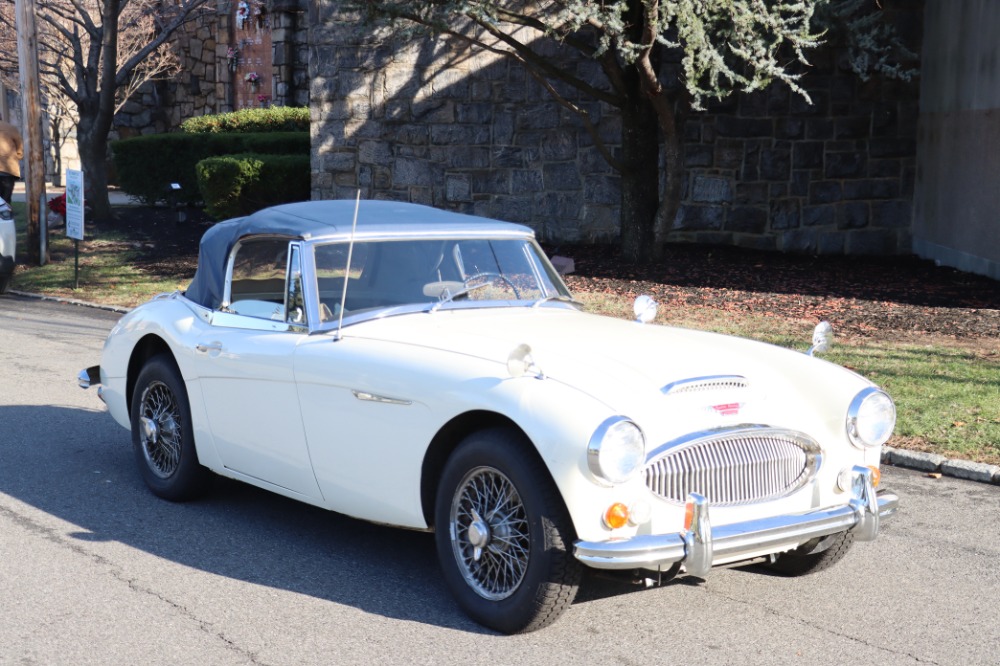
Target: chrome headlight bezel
617,451
871,403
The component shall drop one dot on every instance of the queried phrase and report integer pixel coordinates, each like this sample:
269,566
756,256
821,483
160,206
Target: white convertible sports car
430,370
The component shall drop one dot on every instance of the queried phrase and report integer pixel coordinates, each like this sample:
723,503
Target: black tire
162,436
528,532
806,560
4,282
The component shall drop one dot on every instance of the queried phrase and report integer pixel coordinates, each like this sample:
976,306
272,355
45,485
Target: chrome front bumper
91,377
702,546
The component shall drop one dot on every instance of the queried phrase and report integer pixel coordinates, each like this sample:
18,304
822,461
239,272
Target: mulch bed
862,296
165,239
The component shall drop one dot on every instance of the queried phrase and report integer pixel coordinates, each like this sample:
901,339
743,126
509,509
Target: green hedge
274,119
147,165
234,185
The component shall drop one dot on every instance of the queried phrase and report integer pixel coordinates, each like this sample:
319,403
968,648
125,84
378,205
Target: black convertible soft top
328,219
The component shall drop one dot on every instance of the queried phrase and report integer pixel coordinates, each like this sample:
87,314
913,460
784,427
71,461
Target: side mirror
822,338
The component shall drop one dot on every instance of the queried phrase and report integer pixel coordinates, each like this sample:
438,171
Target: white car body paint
363,458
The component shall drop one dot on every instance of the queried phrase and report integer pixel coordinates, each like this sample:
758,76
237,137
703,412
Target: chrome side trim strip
371,397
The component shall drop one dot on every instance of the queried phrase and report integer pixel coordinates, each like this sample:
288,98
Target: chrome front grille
733,466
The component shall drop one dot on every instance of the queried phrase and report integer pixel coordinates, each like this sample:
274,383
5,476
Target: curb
932,463
70,301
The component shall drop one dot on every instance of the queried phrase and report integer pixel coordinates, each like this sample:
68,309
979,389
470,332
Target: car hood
632,367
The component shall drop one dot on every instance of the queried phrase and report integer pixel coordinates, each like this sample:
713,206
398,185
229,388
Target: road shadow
78,466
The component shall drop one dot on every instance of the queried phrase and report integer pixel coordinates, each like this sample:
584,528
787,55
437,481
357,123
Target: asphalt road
94,569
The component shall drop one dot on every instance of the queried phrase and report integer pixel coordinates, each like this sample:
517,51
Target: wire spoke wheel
163,433
160,432
489,533
503,533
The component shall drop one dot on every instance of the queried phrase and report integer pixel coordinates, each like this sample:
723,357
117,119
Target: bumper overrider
701,546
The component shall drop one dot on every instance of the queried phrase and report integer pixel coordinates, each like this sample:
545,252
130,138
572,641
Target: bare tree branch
584,115
95,55
519,51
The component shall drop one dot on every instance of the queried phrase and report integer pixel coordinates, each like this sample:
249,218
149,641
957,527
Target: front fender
168,324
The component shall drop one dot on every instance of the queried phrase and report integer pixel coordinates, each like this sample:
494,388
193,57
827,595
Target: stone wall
290,34
432,122
771,171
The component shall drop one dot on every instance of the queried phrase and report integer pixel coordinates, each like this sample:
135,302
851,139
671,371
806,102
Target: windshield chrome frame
537,262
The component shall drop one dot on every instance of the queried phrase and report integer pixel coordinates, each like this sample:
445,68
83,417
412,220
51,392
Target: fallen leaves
860,296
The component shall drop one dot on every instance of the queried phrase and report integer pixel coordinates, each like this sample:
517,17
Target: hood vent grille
734,466
704,384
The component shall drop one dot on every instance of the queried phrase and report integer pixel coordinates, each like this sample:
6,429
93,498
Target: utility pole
31,116
4,111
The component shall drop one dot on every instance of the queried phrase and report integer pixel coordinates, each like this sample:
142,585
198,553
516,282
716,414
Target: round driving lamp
617,450
870,418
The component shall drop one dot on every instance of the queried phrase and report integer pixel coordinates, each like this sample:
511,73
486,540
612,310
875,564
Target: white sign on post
74,204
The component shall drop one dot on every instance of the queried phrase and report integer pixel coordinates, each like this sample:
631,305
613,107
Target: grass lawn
107,275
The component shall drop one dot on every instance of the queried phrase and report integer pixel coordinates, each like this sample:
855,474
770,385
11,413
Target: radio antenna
347,270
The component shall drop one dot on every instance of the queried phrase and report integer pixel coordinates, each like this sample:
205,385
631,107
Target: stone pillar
224,76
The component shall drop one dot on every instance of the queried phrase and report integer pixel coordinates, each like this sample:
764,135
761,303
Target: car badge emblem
729,409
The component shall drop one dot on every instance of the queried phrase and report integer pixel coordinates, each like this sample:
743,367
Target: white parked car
430,370
8,244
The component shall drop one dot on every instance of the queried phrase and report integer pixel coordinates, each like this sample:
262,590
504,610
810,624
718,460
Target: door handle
214,346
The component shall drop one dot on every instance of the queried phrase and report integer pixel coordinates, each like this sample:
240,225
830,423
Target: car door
367,425
245,366
366,422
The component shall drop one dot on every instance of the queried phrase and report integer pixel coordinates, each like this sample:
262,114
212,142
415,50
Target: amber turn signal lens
688,515
616,516
876,475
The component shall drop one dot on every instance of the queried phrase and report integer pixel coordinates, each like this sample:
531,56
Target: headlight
617,450
870,418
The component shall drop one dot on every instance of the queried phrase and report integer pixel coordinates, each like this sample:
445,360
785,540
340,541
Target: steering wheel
491,278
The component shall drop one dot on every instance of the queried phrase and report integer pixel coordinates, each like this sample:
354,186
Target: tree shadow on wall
433,134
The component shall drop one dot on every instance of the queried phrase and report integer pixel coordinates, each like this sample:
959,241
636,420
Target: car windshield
433,273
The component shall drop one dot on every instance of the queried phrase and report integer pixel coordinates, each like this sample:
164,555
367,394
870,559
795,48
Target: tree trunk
93,147
640,189
96,111
673,171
